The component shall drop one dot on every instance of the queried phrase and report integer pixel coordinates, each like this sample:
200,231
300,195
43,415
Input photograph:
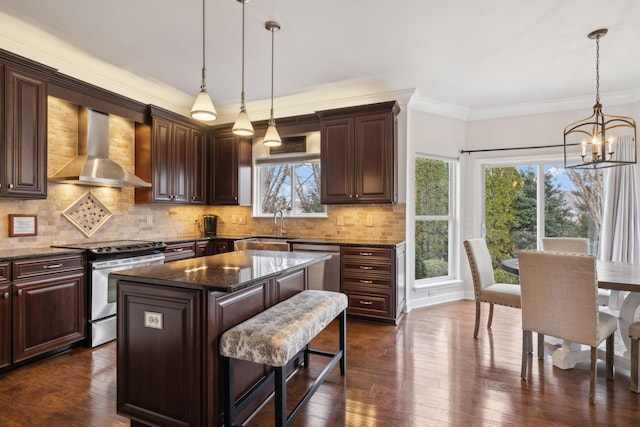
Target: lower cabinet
178,251
373,280
43,310
221,246
203,248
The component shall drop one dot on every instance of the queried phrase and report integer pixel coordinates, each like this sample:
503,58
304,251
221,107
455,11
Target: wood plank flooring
428,371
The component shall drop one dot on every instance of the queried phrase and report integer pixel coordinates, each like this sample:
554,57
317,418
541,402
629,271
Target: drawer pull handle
366,254
48,267
366,302
178,250
364,267
368,282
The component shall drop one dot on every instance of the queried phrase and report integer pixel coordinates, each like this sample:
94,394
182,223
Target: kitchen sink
263,243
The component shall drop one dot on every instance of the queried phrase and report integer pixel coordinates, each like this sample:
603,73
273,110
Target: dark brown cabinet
231,167
373,279
48,305
5,315
24,137
222,245
171,154
359,154
178,251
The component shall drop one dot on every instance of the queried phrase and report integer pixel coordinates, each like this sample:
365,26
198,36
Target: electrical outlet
369,220
152,320
242,220
149,220
234,219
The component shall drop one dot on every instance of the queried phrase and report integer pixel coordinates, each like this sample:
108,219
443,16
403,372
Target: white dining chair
577,245
559,298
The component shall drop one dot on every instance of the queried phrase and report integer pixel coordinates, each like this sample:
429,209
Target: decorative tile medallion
87,213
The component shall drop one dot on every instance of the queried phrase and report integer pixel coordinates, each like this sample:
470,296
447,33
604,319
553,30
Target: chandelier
600,141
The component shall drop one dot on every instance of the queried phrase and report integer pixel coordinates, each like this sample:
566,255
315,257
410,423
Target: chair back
480,263
575,245
559,295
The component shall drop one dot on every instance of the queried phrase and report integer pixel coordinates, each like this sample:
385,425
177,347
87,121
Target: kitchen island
170,318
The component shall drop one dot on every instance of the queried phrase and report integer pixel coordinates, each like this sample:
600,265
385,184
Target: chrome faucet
282,231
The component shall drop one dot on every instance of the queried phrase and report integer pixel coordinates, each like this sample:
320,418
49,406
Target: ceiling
479,56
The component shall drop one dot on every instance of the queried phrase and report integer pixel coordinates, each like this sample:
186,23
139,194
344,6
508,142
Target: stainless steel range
104,258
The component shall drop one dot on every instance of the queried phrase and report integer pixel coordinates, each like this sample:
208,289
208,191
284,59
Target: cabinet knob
357,195
10,186
19,291
6,295
193,198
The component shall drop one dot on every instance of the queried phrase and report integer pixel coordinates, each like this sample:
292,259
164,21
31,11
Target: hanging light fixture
243,126
271,138
602,141
203,108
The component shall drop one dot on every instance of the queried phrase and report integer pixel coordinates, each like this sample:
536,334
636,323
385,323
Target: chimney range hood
93,166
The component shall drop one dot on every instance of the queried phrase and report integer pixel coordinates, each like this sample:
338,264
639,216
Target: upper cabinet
23,141
171,154
231,168
359,153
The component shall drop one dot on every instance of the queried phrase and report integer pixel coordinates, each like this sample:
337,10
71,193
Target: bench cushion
275,335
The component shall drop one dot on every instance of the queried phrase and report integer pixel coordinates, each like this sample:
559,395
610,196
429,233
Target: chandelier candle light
272,138
203,108
243,126
604,141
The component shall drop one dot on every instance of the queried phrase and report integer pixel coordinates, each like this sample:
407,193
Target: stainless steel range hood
93,166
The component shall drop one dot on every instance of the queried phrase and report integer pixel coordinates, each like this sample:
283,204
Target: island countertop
226,272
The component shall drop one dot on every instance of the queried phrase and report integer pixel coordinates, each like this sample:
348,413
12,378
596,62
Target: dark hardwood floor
428,371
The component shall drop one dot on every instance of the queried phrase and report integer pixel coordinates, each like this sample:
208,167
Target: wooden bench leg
343,339
281,397
634,366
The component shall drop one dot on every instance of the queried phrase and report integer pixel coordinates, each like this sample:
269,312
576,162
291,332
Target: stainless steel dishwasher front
323,276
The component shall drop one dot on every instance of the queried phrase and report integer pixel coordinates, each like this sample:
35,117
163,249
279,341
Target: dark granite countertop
382,243
227,272
8,255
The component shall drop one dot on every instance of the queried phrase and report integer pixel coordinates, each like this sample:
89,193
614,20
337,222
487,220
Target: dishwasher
326,275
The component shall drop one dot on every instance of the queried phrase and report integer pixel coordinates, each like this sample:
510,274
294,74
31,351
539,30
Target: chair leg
490,315
540,346
634,365
475,328
592,384
525,353
609,357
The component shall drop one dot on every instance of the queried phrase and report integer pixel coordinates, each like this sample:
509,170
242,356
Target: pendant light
243,126
602,141
203,108
271,138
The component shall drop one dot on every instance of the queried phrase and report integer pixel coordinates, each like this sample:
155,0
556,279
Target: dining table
623,279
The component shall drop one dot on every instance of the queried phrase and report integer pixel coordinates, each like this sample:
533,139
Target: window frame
451,218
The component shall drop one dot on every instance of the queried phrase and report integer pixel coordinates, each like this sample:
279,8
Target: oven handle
127,262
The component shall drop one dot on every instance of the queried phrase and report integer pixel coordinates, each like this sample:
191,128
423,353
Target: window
523,203
434,217
291,184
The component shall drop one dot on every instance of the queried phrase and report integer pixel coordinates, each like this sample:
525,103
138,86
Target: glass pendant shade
272,138
203,108
243,126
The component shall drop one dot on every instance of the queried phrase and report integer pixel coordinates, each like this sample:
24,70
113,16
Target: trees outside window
517,216
434,217
290,185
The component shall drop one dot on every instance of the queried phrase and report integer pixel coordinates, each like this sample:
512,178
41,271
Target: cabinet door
198,167
374,158
222,246
25,136
5,325
180,175
162,156
203,248
336,157
48,313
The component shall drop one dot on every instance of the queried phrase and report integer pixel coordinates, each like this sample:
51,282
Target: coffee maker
210,225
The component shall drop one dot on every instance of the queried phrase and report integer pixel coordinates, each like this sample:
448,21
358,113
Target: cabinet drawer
369,305
5,272
364,253
359,283
362,269
177,251
42,266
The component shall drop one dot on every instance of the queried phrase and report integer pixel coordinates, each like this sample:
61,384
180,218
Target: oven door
103,289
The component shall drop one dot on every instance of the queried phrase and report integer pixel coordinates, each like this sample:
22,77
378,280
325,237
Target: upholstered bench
274,337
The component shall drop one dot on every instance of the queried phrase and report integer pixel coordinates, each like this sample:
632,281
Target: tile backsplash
165,222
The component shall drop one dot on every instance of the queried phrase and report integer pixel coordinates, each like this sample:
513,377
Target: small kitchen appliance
210,225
